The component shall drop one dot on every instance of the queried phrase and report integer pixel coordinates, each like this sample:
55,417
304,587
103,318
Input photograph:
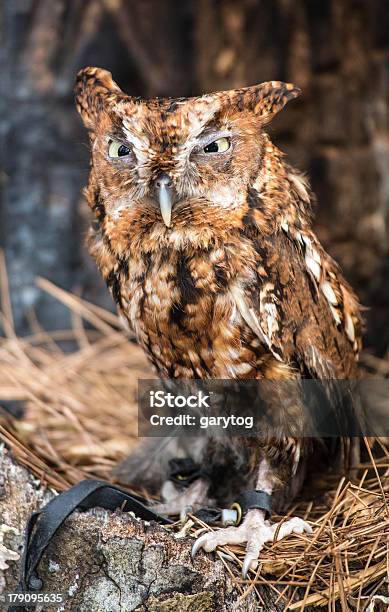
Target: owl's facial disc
211,145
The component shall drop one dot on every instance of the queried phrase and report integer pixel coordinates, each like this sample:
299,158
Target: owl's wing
302,309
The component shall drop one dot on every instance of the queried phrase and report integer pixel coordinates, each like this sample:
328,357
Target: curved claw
198,544
247,565
293,525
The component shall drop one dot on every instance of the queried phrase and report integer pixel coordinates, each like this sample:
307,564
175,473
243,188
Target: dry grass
81,420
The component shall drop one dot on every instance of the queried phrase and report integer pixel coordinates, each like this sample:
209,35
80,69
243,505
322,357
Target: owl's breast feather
183,312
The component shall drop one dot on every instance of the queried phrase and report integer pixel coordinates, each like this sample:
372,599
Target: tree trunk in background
337,51
338,131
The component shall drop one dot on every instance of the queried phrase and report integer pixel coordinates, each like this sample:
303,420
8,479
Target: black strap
255,498
44,524
87,494
208,515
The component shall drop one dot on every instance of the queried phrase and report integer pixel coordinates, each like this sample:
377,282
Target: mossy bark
104,561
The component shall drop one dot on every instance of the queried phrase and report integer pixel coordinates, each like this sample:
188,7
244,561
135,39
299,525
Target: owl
203,234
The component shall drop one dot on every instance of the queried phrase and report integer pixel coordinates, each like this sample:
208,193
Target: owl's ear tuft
267,99
94,90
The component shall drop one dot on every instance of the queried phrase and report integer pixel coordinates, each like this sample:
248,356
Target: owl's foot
255,531
181,502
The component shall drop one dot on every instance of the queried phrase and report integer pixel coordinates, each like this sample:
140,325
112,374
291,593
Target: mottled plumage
235,283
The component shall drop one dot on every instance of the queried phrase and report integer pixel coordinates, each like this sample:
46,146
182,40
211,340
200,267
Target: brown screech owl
204,239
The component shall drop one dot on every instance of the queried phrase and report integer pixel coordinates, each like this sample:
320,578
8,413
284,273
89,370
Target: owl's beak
165,195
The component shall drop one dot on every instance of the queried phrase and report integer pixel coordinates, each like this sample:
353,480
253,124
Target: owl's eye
116,149
221,145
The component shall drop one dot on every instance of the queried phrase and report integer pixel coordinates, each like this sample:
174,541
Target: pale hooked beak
165,195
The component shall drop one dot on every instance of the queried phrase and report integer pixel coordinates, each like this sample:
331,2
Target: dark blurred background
337,51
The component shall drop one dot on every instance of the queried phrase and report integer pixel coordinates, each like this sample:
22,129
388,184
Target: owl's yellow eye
218,146
117,149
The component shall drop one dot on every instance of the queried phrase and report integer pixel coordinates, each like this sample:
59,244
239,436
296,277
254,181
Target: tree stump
110,561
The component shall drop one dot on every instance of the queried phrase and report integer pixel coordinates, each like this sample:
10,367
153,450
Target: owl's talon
198,544
293,525
255,531
250,562
179,503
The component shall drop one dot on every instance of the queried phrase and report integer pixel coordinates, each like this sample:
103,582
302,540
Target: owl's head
172,164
